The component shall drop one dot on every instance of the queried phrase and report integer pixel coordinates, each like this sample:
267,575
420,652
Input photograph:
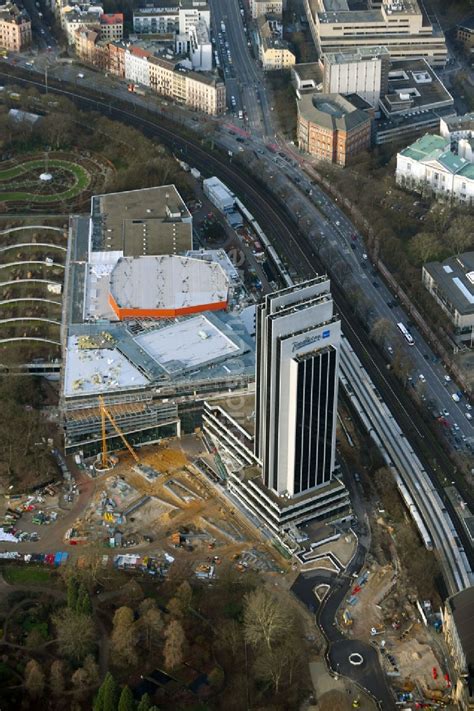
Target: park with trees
88,637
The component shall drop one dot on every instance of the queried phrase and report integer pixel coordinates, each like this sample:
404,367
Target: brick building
331,128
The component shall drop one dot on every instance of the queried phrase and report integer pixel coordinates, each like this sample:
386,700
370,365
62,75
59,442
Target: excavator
106,461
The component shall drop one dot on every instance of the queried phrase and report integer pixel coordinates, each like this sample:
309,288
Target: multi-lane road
246,81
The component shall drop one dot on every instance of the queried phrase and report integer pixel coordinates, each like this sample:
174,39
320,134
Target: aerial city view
236,355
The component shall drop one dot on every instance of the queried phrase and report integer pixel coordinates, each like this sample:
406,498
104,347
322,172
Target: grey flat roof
331,111
352,54
122,220
455,278
308,70
416,78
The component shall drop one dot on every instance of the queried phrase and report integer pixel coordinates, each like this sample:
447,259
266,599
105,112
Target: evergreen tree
72,593
83,604
145,703
126,702
106,699
110,693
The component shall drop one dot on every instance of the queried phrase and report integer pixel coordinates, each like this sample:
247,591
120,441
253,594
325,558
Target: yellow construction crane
105,462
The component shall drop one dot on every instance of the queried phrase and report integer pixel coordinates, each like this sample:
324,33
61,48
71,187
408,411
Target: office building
15,28
413,102
331,127
363,71
401,26
298,339
196,43
451,284
278,448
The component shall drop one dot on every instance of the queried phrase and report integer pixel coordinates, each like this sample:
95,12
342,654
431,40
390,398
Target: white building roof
97,370
167,282
186,344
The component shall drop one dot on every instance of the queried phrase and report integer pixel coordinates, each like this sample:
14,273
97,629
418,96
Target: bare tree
461,234
76,633
266,620
229,636
425,246
174,646
381,330
179,604
272,664
150,625
80,682
124,637
57,681
34,679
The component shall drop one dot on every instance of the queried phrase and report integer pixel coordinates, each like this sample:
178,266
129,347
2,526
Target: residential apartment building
273,51
400,26
90,49
170,17
75,19
259,8
15,28
363,71
435,165
331,128
116,60
192,12
137,67
451,284
201,91
111,27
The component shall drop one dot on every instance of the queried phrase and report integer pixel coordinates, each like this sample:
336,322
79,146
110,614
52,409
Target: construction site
166,500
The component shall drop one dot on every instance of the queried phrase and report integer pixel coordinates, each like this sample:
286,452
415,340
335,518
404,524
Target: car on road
364,256
469,416
80,76
447,378
422,378
455,397
445,413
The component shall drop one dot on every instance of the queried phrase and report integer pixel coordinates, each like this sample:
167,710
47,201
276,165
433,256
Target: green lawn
15,575
82,179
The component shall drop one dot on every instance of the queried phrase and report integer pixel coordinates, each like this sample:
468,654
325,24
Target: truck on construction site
134,89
